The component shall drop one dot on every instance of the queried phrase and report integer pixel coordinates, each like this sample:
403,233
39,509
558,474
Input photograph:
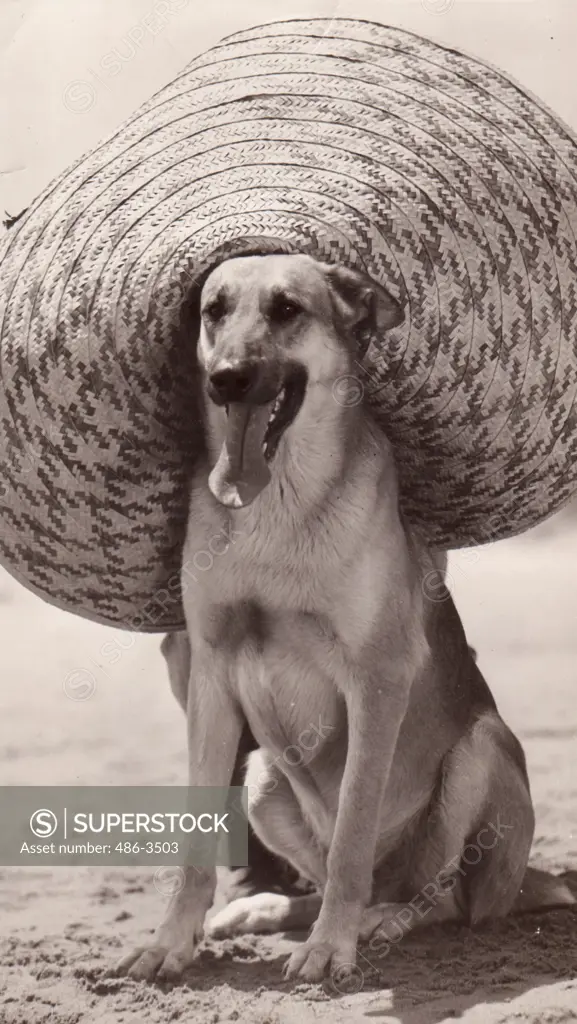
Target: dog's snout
234,383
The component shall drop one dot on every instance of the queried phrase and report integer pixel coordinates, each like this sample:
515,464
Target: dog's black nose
233,384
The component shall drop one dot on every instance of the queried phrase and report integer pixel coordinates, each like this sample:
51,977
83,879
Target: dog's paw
171,951
167,957
316,959
156,962
263,913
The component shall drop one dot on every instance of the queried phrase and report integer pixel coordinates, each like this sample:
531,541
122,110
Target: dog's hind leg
264,913
494,858
474,844
175,648
276,818
496,878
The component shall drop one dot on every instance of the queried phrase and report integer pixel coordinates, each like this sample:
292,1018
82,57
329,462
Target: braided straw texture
353,142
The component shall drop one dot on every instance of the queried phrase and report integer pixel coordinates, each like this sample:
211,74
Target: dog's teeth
274,412
277,404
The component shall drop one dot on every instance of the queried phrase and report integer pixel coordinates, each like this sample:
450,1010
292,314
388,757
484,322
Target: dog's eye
214,310
283,309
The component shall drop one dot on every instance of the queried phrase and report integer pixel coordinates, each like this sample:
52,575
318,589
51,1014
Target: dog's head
272,327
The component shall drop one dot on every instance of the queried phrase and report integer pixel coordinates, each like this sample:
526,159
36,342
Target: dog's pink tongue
241,472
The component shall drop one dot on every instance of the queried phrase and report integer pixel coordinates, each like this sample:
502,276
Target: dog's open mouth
253,434
284,410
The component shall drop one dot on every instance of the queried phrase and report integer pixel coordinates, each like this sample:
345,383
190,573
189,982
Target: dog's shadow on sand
428,977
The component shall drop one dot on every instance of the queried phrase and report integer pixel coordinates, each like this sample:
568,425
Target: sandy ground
60,929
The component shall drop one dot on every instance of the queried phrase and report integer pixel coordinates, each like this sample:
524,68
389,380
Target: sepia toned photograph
288,511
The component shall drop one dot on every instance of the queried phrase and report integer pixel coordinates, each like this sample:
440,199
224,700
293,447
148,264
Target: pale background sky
53,108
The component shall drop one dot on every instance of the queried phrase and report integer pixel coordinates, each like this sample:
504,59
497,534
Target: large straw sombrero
353,142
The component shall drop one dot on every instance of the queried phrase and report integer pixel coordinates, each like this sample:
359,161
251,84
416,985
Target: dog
318,612
265,872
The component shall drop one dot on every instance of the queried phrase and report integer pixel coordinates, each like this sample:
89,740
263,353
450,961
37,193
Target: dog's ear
362,306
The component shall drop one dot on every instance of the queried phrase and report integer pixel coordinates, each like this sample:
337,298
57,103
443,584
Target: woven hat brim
357,143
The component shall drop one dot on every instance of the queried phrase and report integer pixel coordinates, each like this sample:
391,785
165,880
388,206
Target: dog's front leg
214,730
375,712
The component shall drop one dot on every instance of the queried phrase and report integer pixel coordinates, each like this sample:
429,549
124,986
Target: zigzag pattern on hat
353,142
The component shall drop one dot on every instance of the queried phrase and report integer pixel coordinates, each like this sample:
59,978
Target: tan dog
317,612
